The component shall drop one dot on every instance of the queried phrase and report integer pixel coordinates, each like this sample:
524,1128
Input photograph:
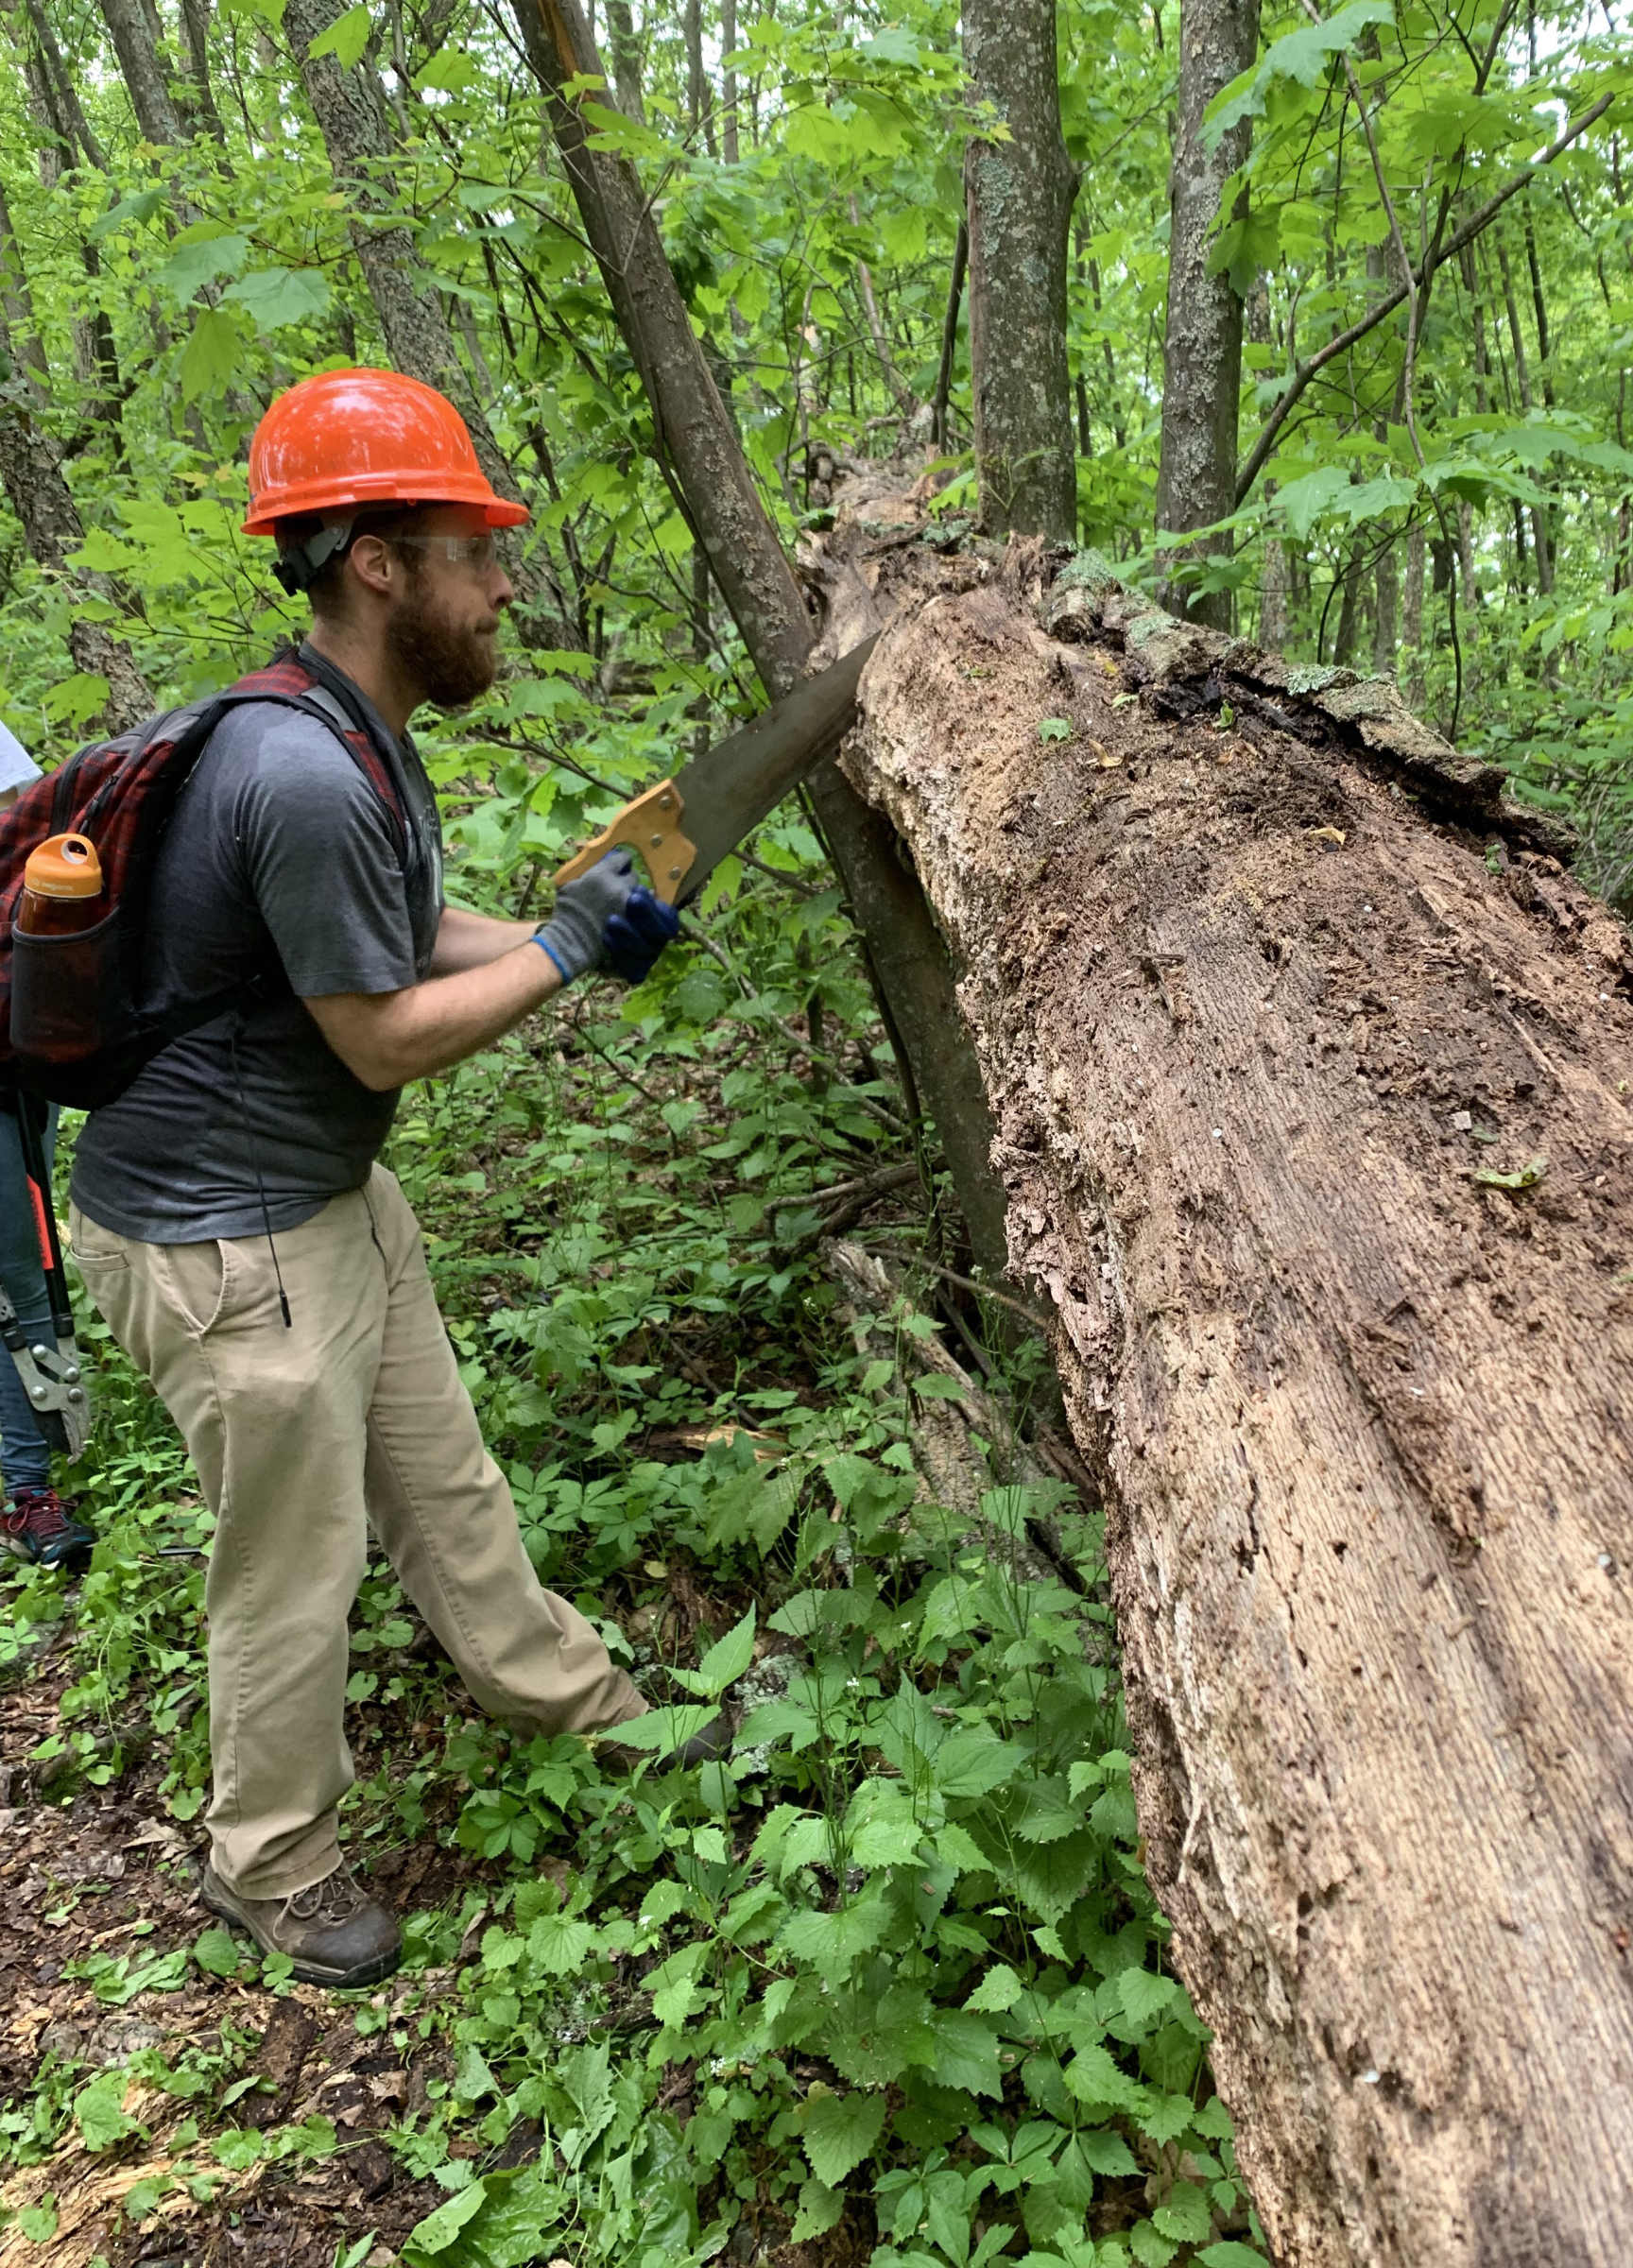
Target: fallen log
1310,1064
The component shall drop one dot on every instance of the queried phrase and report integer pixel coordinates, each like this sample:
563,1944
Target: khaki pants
303,1437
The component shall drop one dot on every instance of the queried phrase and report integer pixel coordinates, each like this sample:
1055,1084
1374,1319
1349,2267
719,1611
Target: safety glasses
479,552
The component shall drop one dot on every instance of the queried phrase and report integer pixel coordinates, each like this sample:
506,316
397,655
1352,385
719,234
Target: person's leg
274,1418
441,1508
25,1454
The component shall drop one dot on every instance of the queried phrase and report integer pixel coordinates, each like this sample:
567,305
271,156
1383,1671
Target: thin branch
1386,306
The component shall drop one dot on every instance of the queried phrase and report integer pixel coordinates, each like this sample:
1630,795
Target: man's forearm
468,940
388,1038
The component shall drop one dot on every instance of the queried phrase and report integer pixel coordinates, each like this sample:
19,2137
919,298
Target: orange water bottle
61,888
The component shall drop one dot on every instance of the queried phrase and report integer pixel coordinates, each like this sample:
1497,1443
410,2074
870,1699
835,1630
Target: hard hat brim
358,493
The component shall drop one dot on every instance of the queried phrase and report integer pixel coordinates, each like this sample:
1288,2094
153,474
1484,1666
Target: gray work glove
576,934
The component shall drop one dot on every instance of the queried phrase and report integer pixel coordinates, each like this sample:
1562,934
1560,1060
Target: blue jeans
24,1452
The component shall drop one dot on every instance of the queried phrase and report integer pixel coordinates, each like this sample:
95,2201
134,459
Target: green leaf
820,2209
1302,57
1106,2153
1229,2255
1302,503
277,296
1144,1995
198,260
100,2111
39,2222
1373,499
1149,2246
1055,728
934,1386
973,1762
665,1730
1185,2215
728,1658
434,2235
967,2052
1524,1177
345,38
141,205
216,1954
210,358
840,2132
1092,2076
997,1992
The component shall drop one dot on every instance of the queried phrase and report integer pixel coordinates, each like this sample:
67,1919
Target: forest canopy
1446,498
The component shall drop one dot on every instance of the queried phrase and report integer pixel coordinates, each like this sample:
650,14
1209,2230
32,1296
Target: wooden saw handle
650,826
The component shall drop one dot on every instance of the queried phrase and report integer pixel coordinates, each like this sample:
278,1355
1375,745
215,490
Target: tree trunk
1543,547
157,111
31,474
1412,616
1202,345
729,137
349,107
693,437
1358,1386
625,47
950,335
1019,196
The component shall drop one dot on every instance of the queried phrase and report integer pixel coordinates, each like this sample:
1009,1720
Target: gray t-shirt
280,862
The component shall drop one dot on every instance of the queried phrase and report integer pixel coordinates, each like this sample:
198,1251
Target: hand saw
685,826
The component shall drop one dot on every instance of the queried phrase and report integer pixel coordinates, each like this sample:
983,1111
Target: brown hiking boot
333,1932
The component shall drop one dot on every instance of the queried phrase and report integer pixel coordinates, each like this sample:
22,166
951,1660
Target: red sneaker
37,1525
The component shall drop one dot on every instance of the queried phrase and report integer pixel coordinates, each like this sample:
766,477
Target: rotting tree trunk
1202,342
1019,194
695,443
1265,1008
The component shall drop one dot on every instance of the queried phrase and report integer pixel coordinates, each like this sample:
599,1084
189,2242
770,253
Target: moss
1310,676
1088,571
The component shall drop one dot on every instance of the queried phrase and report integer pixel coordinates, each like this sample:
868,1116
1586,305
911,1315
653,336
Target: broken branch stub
1266,985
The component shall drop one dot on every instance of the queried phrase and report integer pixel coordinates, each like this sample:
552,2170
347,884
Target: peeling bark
1252,963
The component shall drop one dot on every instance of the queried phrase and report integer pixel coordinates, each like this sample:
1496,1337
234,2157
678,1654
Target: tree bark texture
695,438
351,112
31,474
1018,199
157,112
1270,990
1202,343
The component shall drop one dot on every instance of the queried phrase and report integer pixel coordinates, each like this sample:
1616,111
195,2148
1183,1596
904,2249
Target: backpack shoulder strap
249,692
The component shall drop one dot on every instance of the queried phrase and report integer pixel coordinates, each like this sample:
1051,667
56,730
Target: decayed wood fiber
1245,1012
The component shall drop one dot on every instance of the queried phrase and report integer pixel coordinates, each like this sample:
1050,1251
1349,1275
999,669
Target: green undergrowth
889,1980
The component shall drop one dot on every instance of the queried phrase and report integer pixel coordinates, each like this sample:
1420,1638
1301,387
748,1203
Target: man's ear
370,559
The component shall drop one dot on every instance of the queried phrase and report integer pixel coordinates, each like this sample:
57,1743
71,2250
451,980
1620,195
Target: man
35,1522
228,1215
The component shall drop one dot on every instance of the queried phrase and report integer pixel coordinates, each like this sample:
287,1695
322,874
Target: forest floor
888,1986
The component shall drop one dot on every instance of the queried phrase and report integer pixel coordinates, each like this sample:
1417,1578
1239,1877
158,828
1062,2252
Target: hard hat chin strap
298,565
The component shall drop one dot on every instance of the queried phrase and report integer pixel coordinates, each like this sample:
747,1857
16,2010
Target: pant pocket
203,1282
93,1247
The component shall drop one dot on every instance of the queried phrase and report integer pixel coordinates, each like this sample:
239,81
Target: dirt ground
86,1875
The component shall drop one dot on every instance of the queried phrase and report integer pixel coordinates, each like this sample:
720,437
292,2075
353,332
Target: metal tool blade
730,788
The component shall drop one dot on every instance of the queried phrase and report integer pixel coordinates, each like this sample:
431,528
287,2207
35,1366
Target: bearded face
444,634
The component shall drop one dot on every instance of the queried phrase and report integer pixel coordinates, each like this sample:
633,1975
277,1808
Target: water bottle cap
63,866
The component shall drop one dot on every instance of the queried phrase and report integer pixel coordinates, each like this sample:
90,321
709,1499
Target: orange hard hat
357,438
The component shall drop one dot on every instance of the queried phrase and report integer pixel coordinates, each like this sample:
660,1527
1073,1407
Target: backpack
70,1030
